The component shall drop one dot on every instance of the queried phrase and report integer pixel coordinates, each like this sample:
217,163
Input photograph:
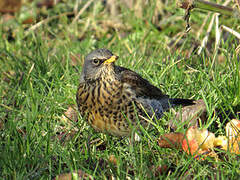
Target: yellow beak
111,59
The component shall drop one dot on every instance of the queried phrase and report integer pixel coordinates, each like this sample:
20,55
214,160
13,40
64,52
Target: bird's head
98,63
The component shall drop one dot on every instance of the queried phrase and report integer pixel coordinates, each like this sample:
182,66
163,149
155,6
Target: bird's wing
141,86
149,94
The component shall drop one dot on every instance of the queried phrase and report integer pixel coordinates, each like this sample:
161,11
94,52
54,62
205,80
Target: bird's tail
183,102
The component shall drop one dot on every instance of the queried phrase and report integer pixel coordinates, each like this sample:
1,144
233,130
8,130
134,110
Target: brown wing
139,84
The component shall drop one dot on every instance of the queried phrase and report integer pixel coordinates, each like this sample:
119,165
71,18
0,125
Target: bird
115,99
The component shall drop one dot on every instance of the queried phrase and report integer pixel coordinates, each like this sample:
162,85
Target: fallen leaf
2,124
190,144
75,59
70,115
198,141
233,128
202,142
47,3
205,139
65,135
233,135
190,115
221,59
67,131
8,76
221,141
234,145
159,170
112,159
7,17
10,6
171,140
29,20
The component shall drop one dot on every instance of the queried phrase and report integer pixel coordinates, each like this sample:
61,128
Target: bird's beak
112,59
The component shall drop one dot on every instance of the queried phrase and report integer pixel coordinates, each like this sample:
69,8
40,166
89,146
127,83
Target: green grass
38,83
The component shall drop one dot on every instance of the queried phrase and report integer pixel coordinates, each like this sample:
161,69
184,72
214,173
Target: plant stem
209,6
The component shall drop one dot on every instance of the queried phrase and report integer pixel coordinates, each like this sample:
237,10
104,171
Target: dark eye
96,61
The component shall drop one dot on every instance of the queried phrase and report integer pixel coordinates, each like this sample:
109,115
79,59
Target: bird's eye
96,62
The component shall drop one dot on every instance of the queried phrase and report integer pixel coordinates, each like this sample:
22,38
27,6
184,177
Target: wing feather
141,86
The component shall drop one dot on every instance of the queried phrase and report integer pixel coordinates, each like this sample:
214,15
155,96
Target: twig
37,25
209,6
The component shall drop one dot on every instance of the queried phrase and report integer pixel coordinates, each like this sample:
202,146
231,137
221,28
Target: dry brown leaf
10,6
191,115
75,59
112,159
8,75
47,3
70,115
159,170
221,59
65,135
29,20
7,17
2,124
171,140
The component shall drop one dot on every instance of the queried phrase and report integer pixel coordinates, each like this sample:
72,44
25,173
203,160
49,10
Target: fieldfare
114,99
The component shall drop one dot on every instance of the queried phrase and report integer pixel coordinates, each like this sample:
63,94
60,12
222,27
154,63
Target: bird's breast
100,102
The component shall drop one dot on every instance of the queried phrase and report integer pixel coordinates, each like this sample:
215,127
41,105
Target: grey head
97,62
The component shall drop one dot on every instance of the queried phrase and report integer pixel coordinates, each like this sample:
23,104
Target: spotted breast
108,106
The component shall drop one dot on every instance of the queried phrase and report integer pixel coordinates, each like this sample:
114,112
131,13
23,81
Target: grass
39,79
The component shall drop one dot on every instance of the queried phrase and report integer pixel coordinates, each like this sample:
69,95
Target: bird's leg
88,143
134,137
